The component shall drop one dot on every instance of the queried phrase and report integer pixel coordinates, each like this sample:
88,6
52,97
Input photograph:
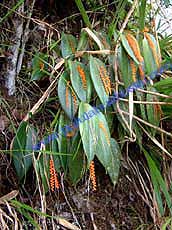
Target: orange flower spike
133,69
93,176
83,76
141,72
74,100
101,126
52,179
153,48
71,44
105,79
134,46
54,183
57,185
67,94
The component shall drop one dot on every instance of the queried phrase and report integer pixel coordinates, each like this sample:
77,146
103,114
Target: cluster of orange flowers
67,94
101,126
105,79
83,76
93,176
136,50
54,183
74,100
72,46
133,69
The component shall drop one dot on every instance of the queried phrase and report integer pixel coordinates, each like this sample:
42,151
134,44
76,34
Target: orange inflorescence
141,72
67,94
83,76
101,126
106,79
134,46
54,183
133,69
93,175
74,100
153,48
71,44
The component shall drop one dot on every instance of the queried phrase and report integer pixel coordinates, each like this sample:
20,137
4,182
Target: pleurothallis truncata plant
88,81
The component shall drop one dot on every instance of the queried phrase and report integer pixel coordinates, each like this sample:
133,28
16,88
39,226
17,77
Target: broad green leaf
125,67
22,146
67,96
150,64
76,161
39,66
96,140
98,74
88,129
80,80
128,48
68,45
154,47
62,140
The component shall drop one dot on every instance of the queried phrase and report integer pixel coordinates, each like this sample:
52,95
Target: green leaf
159,184
67,96
125,67
62,140
96,140
164,86
80,80
150,64
83,41
76,161
142,12
88,130
22,145
43,169
39,66
128,48
95,69
68,45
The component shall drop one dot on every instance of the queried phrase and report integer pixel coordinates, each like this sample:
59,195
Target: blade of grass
142,12
11,10
29,218
158,179
83,13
